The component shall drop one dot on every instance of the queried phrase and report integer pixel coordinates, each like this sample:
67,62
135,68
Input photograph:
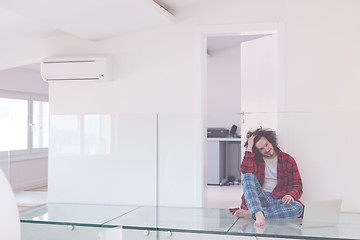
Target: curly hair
260,132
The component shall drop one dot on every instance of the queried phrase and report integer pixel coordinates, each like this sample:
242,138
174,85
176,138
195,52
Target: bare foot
260,219
260,230
242,213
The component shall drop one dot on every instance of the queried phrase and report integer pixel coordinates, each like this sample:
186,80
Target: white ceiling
92,19
214,45
88,19
229,41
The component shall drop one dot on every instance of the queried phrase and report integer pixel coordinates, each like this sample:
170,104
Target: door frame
203,32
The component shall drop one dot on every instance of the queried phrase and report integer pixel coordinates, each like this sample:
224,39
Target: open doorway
233,59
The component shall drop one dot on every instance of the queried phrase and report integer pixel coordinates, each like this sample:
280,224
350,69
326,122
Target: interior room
87,153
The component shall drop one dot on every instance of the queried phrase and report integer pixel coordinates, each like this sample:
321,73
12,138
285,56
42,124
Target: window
40,124
24,124
13,124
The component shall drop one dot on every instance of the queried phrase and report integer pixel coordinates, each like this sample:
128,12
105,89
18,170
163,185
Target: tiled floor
216,197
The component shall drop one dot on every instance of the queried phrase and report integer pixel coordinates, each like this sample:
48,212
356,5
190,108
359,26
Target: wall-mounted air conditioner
76,69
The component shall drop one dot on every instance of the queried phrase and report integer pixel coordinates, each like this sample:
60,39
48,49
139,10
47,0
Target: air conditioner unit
76,69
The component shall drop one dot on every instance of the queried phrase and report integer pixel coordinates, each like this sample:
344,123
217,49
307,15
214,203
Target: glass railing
103,159
5,163
181,220
147,172
75,214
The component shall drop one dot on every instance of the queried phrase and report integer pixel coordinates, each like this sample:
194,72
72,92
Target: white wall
103,158
224,98
223,88
23,80
29,173
156,71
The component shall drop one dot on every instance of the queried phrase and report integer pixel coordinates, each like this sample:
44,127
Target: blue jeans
258,200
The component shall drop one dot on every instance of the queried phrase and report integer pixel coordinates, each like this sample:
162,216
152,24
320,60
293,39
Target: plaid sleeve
233,210
295,181
248,164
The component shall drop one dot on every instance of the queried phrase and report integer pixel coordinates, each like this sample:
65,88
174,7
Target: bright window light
40,124
13,124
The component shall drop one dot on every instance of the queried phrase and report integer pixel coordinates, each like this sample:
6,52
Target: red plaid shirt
288,176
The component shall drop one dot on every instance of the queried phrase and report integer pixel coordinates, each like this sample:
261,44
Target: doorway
239,61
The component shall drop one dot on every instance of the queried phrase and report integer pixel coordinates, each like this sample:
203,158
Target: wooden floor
223,197
216,197
31,197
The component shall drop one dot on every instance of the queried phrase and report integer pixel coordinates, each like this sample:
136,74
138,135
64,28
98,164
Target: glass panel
153,162
180,169
104,158
74,214
5,163
40,127
189,220
348,228
31,231
181,219
65,135
97,134
323,145
13,124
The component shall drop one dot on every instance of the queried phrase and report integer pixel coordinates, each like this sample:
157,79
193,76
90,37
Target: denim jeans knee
299,209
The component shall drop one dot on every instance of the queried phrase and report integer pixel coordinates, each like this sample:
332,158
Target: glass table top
177,219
